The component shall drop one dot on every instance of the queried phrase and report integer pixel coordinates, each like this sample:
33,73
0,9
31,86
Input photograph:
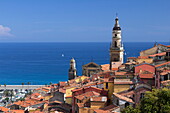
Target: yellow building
72,85
108,85
68,96
118,87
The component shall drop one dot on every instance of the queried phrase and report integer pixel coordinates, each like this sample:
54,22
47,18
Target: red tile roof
4,109
123,98
17,111
114,69
80,105
143,57
159,65
131,57
124,82
62,83
165,72
62,90
87,95
158,54
105,67
110,107
166,82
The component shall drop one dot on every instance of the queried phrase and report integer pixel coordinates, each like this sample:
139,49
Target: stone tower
72,71
116,48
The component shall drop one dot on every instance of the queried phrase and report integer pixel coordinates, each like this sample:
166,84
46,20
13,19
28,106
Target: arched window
115,44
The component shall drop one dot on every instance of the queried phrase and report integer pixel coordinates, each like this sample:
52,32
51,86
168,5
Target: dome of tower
116,28
72,60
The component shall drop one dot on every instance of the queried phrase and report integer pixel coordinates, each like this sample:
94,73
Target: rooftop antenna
116,14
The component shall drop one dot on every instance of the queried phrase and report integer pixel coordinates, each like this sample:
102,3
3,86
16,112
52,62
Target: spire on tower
116,26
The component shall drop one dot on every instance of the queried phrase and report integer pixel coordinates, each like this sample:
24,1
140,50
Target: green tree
130,109
157,101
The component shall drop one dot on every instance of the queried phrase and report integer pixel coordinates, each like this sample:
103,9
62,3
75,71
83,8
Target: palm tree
22,85
5,86
45,85
28,85
50,83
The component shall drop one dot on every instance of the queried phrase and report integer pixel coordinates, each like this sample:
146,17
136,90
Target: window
106,85
115,44
115,35
117,102
159,57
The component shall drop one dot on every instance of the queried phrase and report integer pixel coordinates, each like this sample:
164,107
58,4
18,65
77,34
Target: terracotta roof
62,90
69,96
4,109
80,105
17,111
114,69
164,45
100,99
29,102
131,57
110,79
57,101
123,98
62,83
158,54
105,67
165,72
123,73
143,57
127,93
159,65
87,95
166,82
110,107
85,88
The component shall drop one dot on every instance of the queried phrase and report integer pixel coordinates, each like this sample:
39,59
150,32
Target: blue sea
42,63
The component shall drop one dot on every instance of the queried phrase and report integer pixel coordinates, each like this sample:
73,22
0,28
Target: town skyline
83,21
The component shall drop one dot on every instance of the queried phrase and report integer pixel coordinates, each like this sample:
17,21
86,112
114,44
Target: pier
20,87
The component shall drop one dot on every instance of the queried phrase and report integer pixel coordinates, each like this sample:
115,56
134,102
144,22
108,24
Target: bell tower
116,48
72,71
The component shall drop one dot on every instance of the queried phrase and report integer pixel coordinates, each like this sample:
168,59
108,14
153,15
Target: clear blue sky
83,20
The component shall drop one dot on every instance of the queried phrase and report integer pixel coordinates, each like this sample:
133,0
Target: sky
83,20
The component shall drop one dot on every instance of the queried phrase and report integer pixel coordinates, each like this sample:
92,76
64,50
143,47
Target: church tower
72,71
116,48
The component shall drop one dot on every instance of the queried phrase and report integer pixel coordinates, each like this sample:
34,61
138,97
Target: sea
45,63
